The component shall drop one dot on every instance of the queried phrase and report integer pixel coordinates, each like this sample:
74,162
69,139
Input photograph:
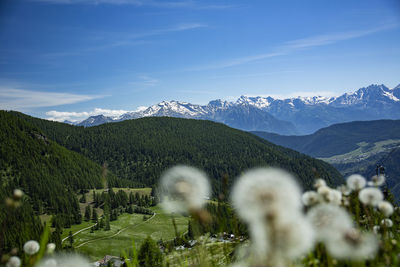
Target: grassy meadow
128,228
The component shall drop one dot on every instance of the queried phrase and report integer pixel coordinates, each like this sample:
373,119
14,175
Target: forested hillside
47,172
140,150
339,138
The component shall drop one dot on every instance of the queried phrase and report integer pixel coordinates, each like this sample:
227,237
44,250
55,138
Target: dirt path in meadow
117,233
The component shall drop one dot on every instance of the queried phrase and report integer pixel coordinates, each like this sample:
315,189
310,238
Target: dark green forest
140,150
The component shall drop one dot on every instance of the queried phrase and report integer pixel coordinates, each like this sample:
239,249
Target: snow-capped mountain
299,115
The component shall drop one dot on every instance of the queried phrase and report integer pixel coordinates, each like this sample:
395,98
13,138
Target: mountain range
300,115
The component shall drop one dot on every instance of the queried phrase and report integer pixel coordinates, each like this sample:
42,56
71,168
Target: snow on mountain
298,115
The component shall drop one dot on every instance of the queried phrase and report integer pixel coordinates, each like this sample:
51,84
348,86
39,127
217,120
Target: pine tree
107,224
94,216
149,254
87,213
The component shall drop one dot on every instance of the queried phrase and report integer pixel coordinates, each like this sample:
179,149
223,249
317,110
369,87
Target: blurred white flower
50,248
18,194
318,183
344,189
14,261
376,229
324,192
329,221
275,243
356,182
370,196
386,208
377,180
335,197
183,188
64,260
387,223
310,198
353,245
31,247
48,263
266,192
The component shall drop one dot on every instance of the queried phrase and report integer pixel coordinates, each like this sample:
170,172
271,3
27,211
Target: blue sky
67,59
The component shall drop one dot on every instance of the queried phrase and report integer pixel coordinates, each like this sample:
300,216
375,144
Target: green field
127,228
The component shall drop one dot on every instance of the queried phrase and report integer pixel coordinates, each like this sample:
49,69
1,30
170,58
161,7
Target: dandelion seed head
310,198
14,261
353,245
329,221
266,192
335,197
183,188
297,239
324,191
50,248
319,182
64,260
377,180
370,196
18,194
48,263
356,182
387,223
31,247
376,229
344,189
386,208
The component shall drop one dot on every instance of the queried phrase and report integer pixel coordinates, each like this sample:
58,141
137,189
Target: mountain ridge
297,115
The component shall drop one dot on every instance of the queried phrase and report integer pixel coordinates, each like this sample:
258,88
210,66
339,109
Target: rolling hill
350,147
140,150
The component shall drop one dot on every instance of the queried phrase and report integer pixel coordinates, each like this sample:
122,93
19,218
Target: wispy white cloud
144,81
79,116
295,45
114,39
19,99
327,39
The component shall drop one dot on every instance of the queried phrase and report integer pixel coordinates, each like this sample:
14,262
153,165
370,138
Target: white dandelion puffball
291,239
329,221
356,182
296,238
31,247
370,196
376,229
310,198
335,197
319,182
266,191
344,189
353,245
324,191
18,194
64,260
377,180
183,188
387,223
14,261
50,248
386,208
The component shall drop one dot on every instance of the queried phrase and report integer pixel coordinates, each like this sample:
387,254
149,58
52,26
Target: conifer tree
94,216
87,213
149,254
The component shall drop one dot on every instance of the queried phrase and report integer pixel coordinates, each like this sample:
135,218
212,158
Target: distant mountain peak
285,116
